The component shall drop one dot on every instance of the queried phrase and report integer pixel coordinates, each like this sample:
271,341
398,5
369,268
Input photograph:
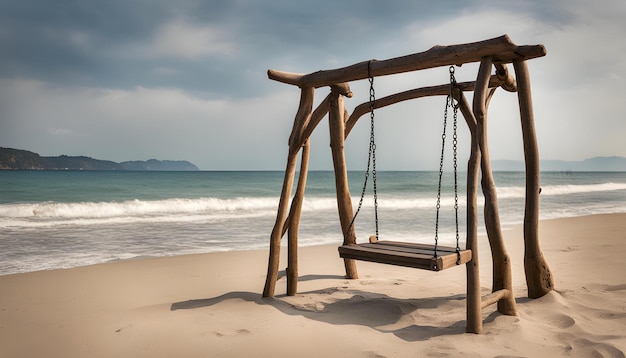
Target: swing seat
406,254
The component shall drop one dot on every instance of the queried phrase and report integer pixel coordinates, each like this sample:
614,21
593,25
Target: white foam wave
46,214
519,191
206,209
135,208
577,189
212,206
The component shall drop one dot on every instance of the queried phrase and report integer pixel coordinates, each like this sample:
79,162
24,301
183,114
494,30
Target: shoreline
210,304
63,221
505,228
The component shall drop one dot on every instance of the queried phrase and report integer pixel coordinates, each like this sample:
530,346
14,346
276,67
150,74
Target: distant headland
17,159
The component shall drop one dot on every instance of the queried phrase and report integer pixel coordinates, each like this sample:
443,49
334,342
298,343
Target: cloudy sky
139,79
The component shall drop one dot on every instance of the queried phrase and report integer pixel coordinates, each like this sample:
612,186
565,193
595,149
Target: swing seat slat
406,254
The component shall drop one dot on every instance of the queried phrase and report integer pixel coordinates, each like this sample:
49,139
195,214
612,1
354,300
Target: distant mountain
596,164
25,160
162,165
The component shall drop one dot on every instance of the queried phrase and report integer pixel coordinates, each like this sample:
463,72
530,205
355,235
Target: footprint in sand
597,349
239,331
563,321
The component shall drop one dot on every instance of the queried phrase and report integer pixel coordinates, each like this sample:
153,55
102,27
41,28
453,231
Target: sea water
62,219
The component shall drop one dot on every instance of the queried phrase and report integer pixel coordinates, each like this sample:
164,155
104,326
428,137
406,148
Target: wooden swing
415,255
496,52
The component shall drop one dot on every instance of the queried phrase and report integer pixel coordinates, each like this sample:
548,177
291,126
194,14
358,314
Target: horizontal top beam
501,49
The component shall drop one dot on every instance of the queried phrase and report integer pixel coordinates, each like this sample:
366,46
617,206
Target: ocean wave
46,214
513,192
253,205
207,209
135,208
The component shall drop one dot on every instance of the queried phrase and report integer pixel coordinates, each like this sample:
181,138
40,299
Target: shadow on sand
354,307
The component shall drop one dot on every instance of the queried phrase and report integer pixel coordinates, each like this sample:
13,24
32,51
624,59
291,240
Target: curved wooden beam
441,90
501,49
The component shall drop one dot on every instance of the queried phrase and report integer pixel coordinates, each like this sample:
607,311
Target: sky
187,80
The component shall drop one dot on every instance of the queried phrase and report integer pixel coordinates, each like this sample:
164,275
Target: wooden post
474,323
302,117
344,202
294,222
538,276
501,260
277,232
316,117
300,122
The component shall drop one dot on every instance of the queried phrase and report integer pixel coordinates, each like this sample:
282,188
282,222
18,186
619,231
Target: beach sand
210,305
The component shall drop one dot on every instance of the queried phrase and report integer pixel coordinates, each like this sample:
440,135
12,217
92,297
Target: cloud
143,123
123,80
184,40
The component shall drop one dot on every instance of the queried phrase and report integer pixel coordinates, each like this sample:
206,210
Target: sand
209,305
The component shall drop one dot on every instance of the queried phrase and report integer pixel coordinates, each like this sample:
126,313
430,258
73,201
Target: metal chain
455,106
443,146
373,145
371,158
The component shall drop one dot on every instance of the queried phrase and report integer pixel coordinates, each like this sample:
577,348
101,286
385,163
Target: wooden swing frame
496,52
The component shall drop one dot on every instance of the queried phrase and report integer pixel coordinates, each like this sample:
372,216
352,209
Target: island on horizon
17,159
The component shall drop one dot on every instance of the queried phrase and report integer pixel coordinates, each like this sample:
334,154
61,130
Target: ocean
63,219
